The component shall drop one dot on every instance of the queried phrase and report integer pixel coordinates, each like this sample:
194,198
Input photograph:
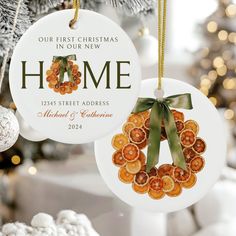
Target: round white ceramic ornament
210,130
71,84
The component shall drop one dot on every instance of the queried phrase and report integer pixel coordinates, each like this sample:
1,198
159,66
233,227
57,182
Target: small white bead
159,93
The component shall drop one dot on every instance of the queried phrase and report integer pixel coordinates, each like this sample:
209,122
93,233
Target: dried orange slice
140,189
136,119
127,127
130,152
125,176
181,175
199,146
141,178
147,124
191,182
197,164
144,114
142,158
189,154
137,135
133,167
187,138
177,190
165,169
153,172
143,144
179,125
168,183
178,115
156,194
163,134
156,183
119,141
192,125
118,159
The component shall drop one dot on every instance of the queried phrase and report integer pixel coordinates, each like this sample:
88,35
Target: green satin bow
64,66
160,109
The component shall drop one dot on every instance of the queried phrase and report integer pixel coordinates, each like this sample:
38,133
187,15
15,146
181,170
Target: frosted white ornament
147,48
27,132
9,129
218,205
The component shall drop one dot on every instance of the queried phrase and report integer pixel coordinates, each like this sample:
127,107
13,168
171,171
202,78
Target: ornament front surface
74,85
166,187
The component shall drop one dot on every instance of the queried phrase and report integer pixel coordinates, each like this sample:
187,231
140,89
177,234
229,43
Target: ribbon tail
62,71
173,138
154,138
69,73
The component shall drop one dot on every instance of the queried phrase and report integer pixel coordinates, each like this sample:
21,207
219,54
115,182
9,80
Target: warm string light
32,170
221,69
15,160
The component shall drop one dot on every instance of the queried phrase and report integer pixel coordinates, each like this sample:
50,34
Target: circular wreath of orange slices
167,180
62,87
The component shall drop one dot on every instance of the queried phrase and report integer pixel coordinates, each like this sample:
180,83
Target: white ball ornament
147,48
218,205
27,132
9,129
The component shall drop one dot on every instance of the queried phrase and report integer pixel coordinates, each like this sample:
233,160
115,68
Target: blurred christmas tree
215,63
15,17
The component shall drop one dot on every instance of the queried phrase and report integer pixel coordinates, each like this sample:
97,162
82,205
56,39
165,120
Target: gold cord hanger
76,6
162,9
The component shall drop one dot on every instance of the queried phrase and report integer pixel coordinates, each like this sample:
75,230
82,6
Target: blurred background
40,175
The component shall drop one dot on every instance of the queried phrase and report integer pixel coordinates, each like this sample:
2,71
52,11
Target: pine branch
38,7
14,21
91,4
135,7
8,10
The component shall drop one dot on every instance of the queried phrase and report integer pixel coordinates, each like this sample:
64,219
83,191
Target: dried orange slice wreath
167,180
62,87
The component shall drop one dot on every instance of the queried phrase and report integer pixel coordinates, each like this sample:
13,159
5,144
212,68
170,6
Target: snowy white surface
68,223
